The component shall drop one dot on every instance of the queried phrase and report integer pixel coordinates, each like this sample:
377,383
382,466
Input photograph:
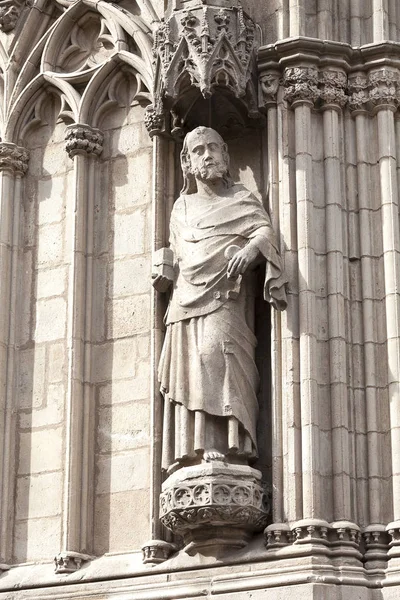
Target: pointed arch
88,106
25,102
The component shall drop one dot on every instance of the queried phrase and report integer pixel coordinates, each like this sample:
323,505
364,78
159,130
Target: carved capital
384,88
13,158
358,92
157,551
333,88
83,139
69,562
269,85
301,85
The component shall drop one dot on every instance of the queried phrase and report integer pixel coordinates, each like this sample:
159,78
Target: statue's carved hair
189,180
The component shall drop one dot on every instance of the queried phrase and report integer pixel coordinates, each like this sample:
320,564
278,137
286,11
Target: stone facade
96,98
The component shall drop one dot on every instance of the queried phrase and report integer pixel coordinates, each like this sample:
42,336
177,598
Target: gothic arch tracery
82,50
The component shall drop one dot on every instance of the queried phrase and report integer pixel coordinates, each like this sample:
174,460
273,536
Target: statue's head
204,157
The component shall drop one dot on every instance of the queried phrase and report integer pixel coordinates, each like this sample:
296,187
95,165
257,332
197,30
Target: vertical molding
324,19
380,20
13,165
160,165
159,548
283,20
297,18
393,20
356,22
333,96
83,144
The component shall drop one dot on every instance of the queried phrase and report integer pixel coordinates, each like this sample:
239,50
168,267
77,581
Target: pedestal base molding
69,562
156,552
214,505
339,534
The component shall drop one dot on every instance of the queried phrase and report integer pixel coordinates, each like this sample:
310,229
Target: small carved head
204,156
8,18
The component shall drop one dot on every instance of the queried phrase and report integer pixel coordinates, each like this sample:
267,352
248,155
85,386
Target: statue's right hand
160,282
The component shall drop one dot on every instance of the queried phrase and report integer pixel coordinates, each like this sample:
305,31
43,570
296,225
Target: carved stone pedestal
214,506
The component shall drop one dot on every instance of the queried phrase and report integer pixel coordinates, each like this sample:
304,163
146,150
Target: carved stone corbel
269,86
301,85
154,120
83,139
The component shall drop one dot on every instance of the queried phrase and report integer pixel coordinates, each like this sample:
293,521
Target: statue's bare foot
213,455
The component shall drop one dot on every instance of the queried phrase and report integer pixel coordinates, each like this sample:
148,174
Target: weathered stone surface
81,331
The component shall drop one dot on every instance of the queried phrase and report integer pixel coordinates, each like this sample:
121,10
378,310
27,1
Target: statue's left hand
242,260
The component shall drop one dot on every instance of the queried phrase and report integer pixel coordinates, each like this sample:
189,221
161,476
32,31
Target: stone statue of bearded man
219,232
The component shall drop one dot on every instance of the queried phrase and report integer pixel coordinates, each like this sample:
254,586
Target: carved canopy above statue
202,49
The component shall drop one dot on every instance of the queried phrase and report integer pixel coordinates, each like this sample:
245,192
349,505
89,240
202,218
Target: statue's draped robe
207,370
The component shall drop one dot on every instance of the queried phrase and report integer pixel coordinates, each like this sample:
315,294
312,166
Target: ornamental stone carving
313,531
13,158
83,139
214,502
384,88
358,92
333,88
269,85
301,85
154,120
208,45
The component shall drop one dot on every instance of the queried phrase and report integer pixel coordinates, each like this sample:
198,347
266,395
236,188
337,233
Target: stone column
159,548
84,145
13,165
269,83
301,92
384,94
334,98
370,457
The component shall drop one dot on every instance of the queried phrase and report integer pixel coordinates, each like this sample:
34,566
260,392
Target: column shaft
307,311
391,250
336,317
369,324
13,164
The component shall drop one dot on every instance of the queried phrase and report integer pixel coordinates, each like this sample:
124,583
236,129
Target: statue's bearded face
207,157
